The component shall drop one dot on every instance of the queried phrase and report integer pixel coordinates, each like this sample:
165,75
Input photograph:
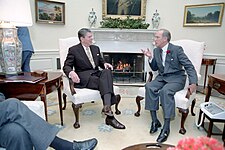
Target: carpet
137,128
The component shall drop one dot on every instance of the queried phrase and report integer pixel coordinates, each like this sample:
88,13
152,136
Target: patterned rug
137,128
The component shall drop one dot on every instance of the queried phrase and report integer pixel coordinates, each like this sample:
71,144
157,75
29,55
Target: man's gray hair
82,32
166,33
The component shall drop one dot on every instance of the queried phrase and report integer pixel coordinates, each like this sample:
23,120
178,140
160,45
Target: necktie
89,55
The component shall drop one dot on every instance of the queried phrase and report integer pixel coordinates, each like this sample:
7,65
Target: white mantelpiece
123,40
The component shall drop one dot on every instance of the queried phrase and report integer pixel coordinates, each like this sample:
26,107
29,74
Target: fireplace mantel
132,35
123,40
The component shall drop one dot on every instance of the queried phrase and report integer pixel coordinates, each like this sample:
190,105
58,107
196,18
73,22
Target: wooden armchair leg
192,107
76,114
118,98
184,113
138,99
64,101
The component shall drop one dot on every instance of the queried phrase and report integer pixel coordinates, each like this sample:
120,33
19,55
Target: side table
208,62
217,82
30,91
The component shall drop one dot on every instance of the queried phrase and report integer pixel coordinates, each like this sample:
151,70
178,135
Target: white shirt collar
165,48
85,47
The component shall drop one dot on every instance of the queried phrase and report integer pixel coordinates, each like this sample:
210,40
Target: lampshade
17,12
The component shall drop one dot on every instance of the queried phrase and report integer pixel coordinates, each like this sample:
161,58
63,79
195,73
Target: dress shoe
107,110
114,123
163,136
85,145
154,127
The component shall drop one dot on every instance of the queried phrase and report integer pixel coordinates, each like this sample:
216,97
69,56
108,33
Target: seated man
82,66
171,62
22,129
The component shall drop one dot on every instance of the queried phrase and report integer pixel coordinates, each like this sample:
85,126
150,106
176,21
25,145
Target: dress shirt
164,50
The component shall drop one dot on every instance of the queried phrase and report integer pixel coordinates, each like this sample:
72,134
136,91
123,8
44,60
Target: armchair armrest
72,90
150,76
188,94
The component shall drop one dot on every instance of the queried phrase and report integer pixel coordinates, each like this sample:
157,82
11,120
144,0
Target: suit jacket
175,63
78,61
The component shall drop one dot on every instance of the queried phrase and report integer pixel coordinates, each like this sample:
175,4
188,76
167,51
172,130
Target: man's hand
147,53
192,88
75,78
108,66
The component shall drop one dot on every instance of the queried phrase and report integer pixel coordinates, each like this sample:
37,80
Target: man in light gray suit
171,63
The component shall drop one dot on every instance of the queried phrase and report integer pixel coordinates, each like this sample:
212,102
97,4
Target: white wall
45,36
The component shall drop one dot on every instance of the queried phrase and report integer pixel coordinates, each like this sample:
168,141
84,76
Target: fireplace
127,67
123,46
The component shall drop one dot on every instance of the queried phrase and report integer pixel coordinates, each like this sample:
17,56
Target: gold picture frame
203,15
124,8
50,12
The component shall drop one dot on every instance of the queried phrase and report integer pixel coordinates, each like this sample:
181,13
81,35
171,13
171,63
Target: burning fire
123,66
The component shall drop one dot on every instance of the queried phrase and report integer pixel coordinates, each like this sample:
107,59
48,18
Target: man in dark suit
22,129
171,63
82,66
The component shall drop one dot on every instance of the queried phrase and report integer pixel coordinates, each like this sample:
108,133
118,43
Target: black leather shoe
85,145
163,136
154,127
114,123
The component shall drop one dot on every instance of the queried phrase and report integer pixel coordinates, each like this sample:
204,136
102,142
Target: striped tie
88,52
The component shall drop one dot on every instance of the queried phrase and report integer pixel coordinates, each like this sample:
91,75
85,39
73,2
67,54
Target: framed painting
50,12
203,15
123,8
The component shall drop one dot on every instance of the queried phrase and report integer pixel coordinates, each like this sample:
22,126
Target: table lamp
13,13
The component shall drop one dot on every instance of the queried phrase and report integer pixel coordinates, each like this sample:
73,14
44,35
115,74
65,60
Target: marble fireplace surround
124,41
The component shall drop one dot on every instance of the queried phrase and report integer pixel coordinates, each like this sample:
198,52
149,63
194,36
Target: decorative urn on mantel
155,20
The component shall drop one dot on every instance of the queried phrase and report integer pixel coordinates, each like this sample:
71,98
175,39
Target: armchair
183,99
79,96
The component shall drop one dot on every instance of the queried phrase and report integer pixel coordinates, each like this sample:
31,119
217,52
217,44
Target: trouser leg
152,95
41,133
15,137
102,81
167,98
106,82
26,56
106,86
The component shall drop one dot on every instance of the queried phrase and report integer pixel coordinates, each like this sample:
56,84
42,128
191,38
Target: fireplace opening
127,67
